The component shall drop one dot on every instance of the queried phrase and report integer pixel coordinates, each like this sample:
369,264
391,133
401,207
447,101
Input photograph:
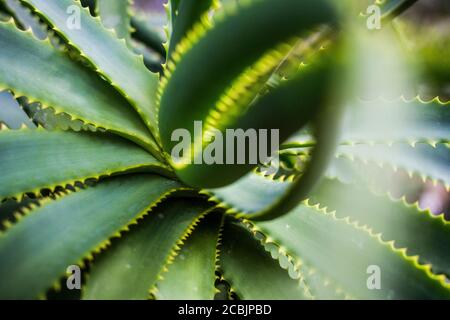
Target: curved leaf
131,267
35,69
249,195
31,160
36,252
194,99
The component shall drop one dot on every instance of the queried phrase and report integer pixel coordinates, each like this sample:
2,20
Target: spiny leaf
249,195
250,269
185,14
131,267
11,210
11,112
322,287
171,9
90,4
410,120
50,120
146,34
61,233
432,162
25,18
258,198
191,276
31,160
259,116
109,55
346,252
35,69
379,178
409,226
317,285
116,15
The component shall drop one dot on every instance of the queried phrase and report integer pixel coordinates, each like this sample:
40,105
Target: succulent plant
91,181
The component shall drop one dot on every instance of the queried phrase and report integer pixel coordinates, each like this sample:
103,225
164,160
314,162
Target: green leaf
25,18
48,119
322,287
131,267
296,104
191,276
410,121
254,194
409,226
185,14
11,112
258,198
35,69
250,195
153,61
109,55
414,120
171,8
147,34
250,269
36,252
31,160
378,178
198,98
346,252
12,209
115,15
432,162
316,284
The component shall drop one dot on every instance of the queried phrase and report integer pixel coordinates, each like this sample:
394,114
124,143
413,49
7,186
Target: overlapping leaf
35,69
35,252
131,267
417,230
109,55
350,254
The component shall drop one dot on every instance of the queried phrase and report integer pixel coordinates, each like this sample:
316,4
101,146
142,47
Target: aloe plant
94,184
